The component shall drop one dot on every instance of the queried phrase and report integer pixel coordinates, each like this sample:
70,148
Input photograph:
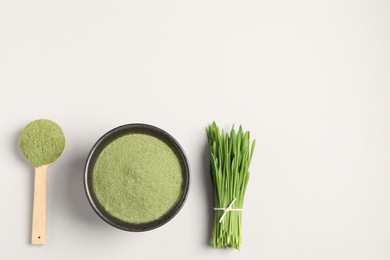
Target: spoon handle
38,234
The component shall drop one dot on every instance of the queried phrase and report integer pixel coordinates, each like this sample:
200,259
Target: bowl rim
116,133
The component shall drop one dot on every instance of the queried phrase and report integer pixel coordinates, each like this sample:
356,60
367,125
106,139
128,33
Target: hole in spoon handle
38,233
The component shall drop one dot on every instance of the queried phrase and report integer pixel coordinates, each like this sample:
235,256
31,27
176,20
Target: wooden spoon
41,143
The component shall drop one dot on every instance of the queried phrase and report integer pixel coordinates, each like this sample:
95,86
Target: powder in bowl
137,178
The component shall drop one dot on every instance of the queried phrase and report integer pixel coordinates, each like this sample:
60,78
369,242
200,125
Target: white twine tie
227,210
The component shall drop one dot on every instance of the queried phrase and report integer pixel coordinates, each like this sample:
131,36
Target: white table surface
310,79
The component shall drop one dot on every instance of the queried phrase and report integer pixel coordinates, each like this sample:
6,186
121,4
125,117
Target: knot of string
227,210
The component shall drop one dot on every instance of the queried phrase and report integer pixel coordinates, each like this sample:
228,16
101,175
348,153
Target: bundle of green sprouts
231,155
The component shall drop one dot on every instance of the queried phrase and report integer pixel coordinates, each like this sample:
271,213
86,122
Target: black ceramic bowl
108,138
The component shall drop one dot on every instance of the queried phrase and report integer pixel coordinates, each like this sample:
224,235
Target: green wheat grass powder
41,142
137,178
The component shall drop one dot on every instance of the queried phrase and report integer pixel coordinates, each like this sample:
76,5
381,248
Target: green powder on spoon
137,178
42,142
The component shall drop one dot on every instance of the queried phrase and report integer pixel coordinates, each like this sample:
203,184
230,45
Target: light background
309,79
